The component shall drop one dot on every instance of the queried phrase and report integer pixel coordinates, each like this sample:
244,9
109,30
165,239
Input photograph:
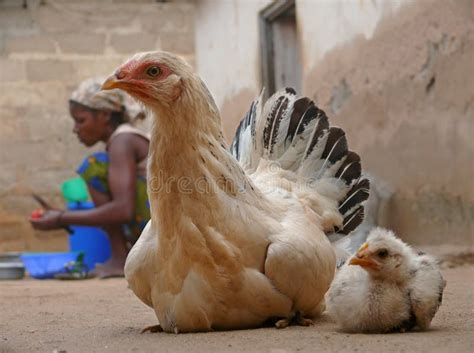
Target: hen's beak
111,82
363,258
117,80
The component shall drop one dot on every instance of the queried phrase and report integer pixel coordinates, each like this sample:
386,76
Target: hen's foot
301,321
297,319
283,323
152,329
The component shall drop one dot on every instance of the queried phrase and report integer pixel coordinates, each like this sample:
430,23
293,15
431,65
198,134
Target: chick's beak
363,262
363,258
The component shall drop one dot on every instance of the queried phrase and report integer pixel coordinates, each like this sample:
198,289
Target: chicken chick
386,287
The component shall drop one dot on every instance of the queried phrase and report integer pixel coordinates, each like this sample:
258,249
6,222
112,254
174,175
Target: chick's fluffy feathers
402,293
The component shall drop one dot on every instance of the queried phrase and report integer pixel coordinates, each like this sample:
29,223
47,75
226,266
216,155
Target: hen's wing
301,266
426,290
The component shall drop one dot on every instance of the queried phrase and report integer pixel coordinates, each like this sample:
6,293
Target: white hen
236,238
385,287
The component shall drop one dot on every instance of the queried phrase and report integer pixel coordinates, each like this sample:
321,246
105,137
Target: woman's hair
122,108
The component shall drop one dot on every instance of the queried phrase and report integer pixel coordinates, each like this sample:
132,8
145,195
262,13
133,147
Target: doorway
280,47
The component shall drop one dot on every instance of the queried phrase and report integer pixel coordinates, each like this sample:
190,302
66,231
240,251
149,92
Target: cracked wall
410,114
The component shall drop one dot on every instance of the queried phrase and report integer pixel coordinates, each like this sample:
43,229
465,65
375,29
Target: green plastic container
75,190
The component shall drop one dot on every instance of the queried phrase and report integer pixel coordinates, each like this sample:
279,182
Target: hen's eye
153,71
382,253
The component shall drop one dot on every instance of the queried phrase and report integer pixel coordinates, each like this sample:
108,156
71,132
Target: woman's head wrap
90,95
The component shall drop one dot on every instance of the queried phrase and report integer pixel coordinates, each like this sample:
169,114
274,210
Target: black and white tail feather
295,133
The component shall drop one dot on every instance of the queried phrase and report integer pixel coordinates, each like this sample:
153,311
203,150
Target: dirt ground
104,316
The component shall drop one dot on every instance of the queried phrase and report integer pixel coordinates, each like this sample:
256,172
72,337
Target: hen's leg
302,321
295,319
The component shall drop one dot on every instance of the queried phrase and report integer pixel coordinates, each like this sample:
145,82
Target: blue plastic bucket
46,265
92,241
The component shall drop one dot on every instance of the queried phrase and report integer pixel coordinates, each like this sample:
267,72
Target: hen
236,238
386,287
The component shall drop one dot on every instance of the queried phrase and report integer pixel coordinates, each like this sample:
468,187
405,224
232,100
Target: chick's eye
153,71
382,253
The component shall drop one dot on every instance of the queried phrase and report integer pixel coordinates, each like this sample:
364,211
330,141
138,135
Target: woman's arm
122,186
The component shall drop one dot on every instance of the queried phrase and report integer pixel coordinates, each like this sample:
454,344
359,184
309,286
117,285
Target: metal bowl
10,257
11,270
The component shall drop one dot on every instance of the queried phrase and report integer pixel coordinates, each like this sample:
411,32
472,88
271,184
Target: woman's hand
51,219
